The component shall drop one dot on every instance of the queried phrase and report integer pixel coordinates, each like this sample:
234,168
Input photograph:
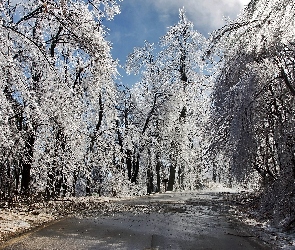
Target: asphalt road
166,221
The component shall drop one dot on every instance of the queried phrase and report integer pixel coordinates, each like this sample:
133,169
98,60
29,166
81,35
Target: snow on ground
213,187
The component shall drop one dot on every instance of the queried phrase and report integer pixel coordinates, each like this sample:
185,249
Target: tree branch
287,82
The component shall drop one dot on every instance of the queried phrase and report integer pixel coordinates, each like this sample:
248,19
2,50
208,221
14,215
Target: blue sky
142,20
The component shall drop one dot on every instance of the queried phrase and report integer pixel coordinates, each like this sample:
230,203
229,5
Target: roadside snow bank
215,187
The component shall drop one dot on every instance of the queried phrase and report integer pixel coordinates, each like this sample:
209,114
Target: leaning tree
253,115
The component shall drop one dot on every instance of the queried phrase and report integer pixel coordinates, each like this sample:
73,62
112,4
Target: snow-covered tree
168,106
58,95
254,99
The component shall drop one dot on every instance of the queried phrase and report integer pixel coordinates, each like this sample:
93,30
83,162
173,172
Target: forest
215,109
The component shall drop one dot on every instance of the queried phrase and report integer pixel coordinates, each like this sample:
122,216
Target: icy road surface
162,221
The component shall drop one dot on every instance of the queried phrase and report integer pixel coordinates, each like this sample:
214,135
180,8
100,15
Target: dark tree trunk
17,174
26,178
75,177
88,190
58,184
98,125
64,187
120,138
180,178
135,169
93,140
49,192
26,166
214,174
171,178
158,176
150,180
129,163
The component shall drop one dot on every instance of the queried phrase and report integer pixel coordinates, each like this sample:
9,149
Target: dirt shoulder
21,217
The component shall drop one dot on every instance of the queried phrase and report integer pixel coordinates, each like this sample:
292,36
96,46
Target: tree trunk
49,191
214,174
135,169
181,178
150,180
88,190
171,178
26,178
26,166
158,166
16,174
58,183
129,163
75,177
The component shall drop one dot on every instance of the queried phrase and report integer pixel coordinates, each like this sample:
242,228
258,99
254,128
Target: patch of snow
214,187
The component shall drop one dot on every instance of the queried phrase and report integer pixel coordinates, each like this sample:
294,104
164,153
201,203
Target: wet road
165,221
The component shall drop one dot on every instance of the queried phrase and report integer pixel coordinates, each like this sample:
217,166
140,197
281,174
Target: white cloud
244,2
207,15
